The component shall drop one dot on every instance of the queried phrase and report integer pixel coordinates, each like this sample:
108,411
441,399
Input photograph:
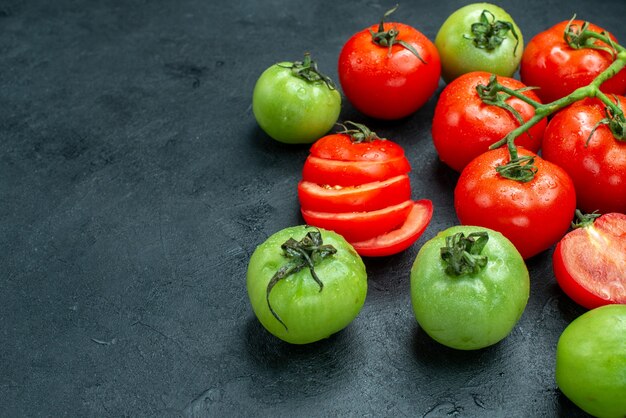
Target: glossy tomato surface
590,262
460,52
596,163
474,310
591,361
464,126
291,109
384,84
534,215
308,313
557,69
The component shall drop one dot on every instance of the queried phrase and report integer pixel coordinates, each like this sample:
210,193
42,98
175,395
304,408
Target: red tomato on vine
390,70
464,125
584,139
560,64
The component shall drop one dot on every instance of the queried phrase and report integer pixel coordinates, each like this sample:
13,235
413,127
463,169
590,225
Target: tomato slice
399,239
340,147
351,173
365,197
359,226
590,262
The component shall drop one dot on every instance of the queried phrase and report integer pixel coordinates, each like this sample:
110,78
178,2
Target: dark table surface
135,184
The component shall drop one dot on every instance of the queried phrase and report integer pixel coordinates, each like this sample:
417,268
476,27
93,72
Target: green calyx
489,33
614,119
307,70
495,94
359,132
462,254
579,38
584,220
389,38
307,252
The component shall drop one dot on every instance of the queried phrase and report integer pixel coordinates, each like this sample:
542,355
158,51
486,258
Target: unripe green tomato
474,310
308,313
591,361
291,109
460,54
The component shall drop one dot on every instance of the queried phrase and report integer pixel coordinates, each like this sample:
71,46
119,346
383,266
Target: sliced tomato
590,262
341,147
351,173
365,197
399,239
359,226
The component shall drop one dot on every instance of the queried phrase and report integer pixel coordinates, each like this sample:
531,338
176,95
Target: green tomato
468,291
294,103
479,37
591,361
304,305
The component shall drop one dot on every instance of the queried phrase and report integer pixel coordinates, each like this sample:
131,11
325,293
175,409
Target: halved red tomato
360,226
352,173
364,197
399,239
590,262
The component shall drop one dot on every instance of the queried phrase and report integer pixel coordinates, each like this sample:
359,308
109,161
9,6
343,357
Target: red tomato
361,190
360,226
590,262
532,215
596,164
364,197
399,239
352,173
464,126
341,147
389,83
557,69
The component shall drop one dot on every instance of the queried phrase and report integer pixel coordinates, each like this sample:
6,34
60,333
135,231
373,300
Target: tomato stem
389,38
490,34
584,220
307,70
462,255
304,253
577,38
359,133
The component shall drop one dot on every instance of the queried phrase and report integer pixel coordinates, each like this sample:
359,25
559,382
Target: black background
135,184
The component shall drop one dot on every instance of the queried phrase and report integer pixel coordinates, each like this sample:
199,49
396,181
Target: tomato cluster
530,153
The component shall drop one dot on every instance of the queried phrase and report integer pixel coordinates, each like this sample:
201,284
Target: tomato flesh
359,226
364,197
590,262
399,239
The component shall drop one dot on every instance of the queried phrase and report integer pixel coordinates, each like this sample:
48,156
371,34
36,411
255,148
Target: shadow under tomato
291,371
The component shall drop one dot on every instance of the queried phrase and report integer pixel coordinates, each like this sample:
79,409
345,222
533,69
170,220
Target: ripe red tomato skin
592,254
598,168
388,87
533,215
464,126
557,69
340,147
